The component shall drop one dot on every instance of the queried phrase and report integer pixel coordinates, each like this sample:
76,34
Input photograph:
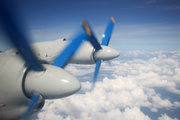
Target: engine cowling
88,55
84,55
52,83
19,84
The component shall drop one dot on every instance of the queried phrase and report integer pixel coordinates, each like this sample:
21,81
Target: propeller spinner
102,52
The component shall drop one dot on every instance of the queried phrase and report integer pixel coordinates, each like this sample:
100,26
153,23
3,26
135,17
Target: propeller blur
28,82
103,52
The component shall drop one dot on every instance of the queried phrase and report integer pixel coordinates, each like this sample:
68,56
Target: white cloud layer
166,117
127,86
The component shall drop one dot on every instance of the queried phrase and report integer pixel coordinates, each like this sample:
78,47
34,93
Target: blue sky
140,24
147,34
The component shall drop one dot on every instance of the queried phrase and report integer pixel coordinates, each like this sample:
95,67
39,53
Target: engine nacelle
11,93
84,55
19,84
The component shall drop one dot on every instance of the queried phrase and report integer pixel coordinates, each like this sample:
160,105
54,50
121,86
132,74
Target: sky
141,84
140,24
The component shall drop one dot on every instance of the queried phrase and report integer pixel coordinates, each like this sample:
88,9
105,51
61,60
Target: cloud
80,71
166,117
128,86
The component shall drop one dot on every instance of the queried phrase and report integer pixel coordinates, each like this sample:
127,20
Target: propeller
32,104
47,81
65,56
98,64
102,52
108,32
15,33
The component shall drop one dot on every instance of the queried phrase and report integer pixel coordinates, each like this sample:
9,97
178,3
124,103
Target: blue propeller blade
32,104
98,64
66,55
96,44
16,35
92,39
108,32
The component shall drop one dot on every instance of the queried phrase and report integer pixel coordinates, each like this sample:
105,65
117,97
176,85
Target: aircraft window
46,55
17,53
38,54
64,39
